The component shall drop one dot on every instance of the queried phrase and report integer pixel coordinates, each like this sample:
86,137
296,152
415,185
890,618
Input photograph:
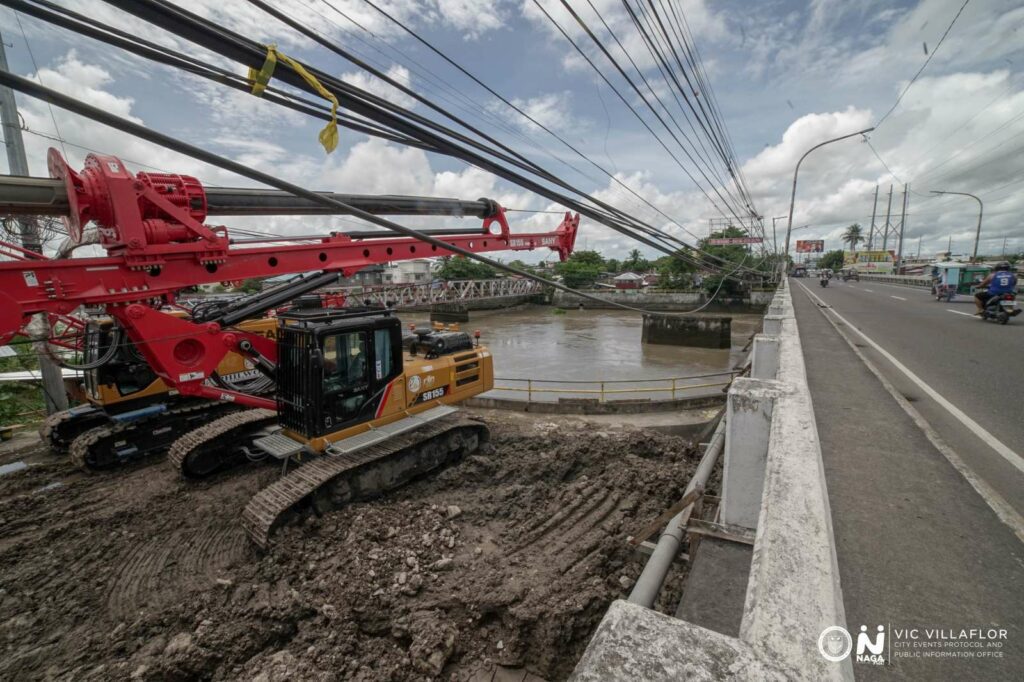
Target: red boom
157,244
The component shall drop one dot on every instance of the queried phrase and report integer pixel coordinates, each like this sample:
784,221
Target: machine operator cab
343,372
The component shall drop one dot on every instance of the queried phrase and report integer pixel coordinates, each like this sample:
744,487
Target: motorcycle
1000,308
823,281
944,292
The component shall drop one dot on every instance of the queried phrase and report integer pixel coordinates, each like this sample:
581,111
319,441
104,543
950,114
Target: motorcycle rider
1000,281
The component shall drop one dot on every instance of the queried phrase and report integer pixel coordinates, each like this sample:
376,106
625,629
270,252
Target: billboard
728,241
810,245
877,262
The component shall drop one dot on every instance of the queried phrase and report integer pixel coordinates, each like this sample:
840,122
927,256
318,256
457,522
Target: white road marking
1006,513
898,298
975,428
959,312
871,290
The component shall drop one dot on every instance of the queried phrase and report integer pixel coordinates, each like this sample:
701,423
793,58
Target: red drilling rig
154,230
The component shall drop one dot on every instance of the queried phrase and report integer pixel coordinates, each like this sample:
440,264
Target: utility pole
774,220
874,212
918,248
1003,253
888,215
903,226
53,381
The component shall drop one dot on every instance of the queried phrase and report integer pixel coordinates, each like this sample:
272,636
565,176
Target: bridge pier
692,330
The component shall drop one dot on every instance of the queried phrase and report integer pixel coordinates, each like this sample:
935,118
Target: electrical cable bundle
370,114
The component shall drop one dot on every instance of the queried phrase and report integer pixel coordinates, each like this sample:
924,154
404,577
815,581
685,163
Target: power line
382,118
923,66
76,106
524,114
630,106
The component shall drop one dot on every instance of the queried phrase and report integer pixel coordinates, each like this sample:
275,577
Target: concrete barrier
793,592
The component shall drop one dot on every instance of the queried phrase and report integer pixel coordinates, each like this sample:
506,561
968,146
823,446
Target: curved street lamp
792,198
981,209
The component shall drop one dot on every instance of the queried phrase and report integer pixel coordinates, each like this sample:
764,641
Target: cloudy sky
787,74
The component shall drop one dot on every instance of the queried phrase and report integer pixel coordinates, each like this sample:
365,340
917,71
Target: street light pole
796,171
981,209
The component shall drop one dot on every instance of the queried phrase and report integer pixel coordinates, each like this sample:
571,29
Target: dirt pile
510,557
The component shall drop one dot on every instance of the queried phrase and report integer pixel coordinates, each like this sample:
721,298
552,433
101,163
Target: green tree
676,271
728,258
853,236
613,266
460,267
582,269
576,274
250,286
636,262
588,258
834,260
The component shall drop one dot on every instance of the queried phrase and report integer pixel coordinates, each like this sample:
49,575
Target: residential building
408,272
628,280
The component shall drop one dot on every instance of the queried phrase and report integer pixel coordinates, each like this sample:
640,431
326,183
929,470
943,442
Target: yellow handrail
530,389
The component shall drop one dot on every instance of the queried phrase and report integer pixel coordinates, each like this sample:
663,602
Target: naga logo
871,651
835,643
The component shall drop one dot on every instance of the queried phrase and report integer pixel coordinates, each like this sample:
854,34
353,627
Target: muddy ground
508,558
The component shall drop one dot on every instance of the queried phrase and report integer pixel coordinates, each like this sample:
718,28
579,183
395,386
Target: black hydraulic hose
80,108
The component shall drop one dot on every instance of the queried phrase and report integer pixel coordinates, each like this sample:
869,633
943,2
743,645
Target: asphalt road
978,367
923,509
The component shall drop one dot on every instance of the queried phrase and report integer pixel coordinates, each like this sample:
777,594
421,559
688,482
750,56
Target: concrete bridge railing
905,280
773,482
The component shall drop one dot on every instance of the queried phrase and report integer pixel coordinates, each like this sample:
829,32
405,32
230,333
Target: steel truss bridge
437,292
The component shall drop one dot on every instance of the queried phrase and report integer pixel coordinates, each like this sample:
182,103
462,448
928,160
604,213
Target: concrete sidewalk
917,546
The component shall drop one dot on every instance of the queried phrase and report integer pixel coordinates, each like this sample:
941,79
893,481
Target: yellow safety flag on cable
260,79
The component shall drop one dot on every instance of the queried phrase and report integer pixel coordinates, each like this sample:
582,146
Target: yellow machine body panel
423,384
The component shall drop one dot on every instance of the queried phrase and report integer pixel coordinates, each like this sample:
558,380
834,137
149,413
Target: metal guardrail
923,282
669,387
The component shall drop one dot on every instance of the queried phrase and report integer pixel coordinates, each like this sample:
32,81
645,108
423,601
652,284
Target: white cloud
950,132
552,110
376,86
472,17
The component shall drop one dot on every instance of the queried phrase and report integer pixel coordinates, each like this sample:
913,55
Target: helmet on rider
1000,266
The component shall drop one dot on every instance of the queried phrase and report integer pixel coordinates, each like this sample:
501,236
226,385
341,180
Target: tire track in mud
160,570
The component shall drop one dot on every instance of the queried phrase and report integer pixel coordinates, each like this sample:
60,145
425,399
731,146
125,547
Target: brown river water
596,346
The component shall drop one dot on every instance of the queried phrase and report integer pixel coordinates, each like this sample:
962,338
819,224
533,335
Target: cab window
345,362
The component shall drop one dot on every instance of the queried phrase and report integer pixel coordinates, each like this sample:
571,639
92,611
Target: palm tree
853,236
633,262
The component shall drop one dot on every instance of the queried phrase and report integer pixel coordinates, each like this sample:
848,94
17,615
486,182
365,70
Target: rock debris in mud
509,557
